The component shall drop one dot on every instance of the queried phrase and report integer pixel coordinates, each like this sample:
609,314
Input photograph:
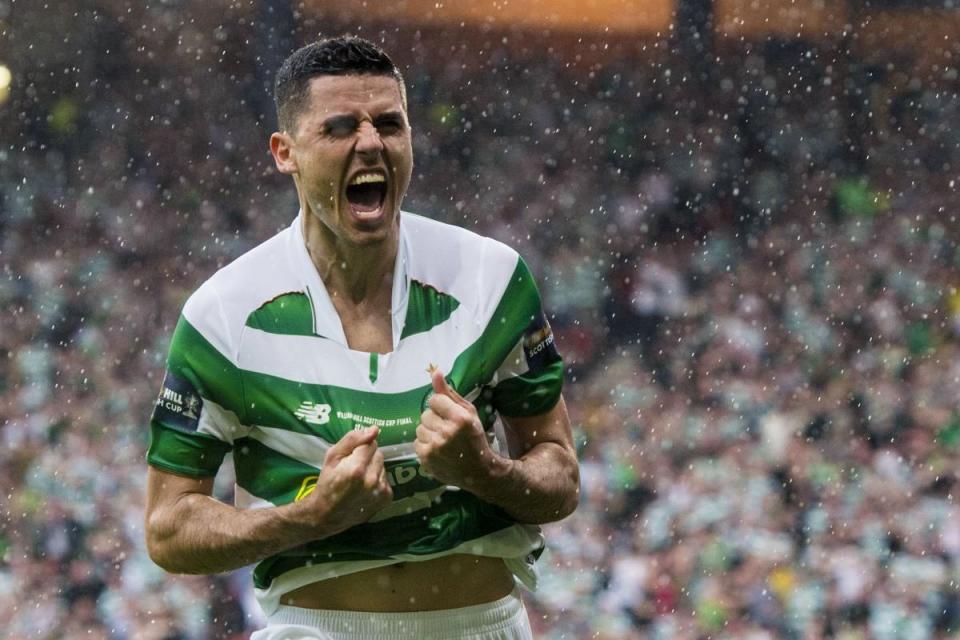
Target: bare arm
189,531
542,485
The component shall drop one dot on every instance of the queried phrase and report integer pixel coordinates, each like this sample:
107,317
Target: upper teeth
364,178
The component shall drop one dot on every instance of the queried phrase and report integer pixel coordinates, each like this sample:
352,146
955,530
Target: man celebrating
355,364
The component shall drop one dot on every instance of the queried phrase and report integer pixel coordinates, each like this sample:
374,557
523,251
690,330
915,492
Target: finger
446,408
431,420
442,388
422,449
375,469
449,414
363,455
428,435
383,482
384,487
353,439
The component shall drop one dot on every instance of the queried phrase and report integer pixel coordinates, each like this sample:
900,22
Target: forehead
354,94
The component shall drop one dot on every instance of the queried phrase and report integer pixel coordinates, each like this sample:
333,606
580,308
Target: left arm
542,485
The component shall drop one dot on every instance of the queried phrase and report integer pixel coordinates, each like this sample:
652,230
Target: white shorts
503,619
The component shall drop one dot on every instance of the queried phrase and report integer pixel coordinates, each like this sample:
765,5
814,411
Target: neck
354,273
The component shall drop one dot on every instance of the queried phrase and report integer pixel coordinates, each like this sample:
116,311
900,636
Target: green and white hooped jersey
259,365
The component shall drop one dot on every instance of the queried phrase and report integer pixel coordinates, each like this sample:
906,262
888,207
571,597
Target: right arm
197,419
189,531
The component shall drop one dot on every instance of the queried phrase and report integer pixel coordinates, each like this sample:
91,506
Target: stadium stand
752,270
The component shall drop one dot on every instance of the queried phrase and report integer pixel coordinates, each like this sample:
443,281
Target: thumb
351,440
442,387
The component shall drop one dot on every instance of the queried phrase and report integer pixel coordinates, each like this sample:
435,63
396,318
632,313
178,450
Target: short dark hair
340,56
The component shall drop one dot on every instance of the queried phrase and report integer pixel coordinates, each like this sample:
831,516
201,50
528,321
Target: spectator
761,323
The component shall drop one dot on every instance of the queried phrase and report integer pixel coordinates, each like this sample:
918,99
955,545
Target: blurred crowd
750,263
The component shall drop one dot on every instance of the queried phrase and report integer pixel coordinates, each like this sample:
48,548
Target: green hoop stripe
288,314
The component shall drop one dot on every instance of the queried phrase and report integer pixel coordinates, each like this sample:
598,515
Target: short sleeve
195,418
529,379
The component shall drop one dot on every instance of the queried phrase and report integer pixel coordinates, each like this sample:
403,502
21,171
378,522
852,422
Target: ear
281,146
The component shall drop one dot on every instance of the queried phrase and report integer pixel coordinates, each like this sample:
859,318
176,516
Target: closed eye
389,124
340,126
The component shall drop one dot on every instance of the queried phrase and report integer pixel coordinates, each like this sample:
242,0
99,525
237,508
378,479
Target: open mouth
366,193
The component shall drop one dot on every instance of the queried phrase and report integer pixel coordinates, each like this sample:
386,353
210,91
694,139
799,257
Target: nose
369,143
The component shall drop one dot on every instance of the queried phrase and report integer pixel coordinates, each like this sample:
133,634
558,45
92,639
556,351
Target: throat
364,308
365,284
365,330
359,282
352,272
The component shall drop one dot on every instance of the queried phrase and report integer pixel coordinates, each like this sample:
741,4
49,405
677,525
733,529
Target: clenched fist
451,443
352,486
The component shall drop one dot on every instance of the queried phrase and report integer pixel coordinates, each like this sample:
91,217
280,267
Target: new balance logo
313,413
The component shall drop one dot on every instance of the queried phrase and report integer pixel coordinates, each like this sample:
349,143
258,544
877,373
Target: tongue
365,197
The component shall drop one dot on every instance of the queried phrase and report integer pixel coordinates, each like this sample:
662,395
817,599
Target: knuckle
357,472
450,430
361,449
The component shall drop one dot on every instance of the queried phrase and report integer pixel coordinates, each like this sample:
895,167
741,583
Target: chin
368,235
373,229
368,238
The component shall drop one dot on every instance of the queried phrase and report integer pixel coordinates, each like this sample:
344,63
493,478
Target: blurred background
743,218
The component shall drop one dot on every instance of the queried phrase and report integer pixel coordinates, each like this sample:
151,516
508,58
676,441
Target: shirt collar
326,321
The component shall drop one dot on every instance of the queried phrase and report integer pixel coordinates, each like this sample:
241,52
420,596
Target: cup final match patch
178,404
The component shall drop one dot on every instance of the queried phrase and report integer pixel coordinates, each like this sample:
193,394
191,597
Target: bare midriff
442,583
